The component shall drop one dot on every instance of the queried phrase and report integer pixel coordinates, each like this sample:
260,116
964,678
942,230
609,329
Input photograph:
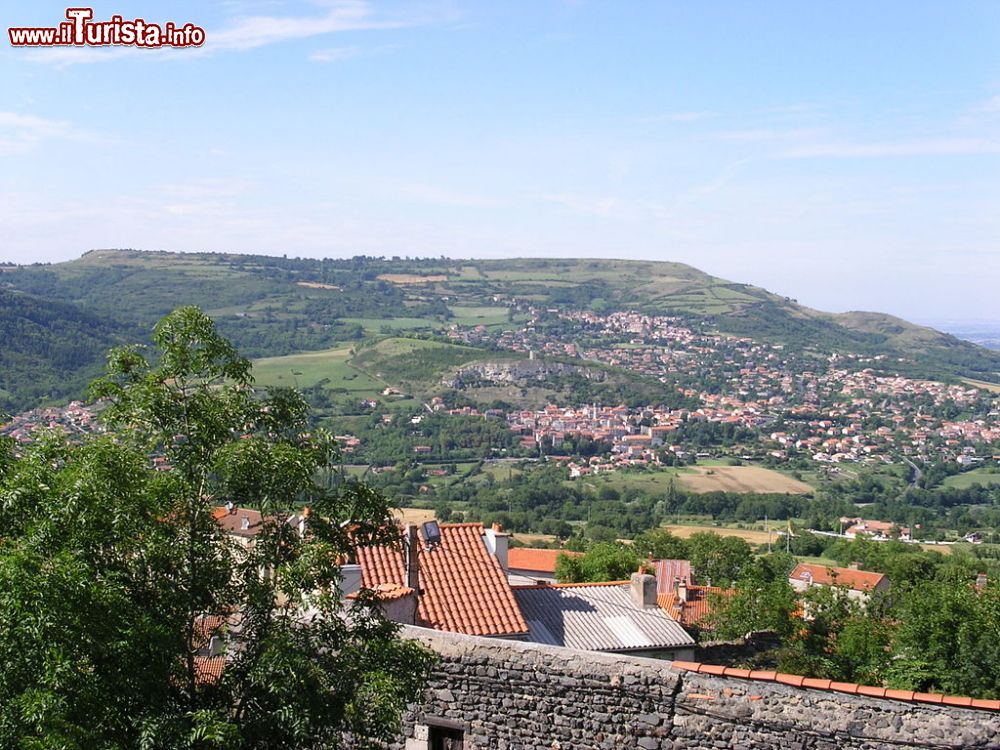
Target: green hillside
51,350
277,306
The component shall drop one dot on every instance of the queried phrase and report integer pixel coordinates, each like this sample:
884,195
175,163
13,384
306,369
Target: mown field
741,479
751,535
968,479
703,478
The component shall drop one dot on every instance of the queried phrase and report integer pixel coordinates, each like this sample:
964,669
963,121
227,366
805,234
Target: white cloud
19,133
258,31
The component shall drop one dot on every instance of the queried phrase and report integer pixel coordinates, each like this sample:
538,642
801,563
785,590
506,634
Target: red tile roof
208,669
239,521
463,588
859,580
697,607
538,560
667,571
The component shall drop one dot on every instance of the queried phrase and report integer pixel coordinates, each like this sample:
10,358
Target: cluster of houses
844,411
75,418
467,578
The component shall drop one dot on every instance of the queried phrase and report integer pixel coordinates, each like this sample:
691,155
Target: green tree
603,561
760,604
111,571
948,640
719,559
660,544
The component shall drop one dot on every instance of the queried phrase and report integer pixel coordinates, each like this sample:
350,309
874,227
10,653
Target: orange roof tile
697,607
859,580
840,687
208,669
463,589
538,560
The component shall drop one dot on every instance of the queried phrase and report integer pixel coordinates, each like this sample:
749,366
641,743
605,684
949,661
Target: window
446,738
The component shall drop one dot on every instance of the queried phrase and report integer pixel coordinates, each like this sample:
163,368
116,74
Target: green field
374,326
309,368
479,316
968,479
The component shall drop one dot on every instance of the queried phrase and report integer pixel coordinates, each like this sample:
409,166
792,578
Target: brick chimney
643,590
412,557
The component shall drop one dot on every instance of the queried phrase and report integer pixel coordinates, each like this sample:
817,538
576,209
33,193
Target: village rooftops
462,587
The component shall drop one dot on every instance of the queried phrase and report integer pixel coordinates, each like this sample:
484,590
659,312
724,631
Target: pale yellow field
414,515
529,540
741,479
409,278
317,285
750,535
991,387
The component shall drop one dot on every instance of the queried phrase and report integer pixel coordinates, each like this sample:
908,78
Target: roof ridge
569,585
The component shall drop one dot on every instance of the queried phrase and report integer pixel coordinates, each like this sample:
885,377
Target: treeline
447,438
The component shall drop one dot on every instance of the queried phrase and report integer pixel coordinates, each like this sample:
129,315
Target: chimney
497,544
854,566
682,590
643,590
412,551
350,579
216,645
245,523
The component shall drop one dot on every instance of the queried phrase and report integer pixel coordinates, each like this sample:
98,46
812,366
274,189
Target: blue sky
845,154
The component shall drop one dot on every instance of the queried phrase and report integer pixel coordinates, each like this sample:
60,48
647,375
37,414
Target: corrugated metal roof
597,618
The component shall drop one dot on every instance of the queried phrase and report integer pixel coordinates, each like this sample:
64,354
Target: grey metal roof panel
597,618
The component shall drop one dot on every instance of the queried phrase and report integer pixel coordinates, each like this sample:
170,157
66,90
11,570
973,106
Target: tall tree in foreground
113,575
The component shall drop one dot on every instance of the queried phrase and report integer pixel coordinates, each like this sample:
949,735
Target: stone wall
504,695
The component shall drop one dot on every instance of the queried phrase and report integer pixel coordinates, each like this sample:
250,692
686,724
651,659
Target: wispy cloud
19,132
338,54
887,149
258,31
754,135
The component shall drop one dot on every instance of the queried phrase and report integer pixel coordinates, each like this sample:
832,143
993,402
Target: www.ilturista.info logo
81,30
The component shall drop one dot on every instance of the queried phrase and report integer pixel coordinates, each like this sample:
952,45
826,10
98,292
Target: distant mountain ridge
60,318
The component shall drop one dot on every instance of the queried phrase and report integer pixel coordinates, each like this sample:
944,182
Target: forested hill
64,315
50,349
